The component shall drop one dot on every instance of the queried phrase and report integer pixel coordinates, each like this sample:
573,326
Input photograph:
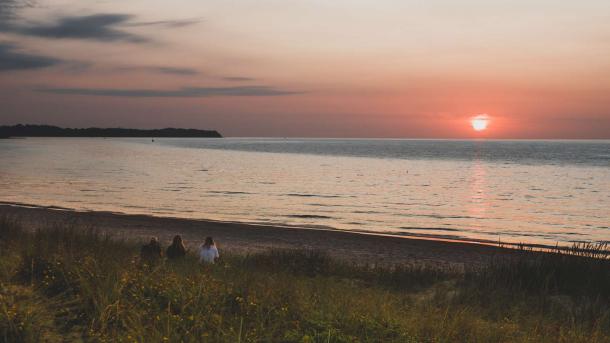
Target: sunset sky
538,69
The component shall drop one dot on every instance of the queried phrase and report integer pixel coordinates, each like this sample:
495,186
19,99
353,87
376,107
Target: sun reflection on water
478,190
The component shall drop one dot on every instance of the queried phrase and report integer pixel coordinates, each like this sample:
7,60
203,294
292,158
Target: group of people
152,252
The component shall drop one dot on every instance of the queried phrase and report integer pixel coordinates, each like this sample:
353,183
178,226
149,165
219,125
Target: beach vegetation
68,282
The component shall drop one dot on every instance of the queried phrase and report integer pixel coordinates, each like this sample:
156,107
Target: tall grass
68,283
581,270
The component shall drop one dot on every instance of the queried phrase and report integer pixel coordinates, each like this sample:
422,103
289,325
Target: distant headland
54,131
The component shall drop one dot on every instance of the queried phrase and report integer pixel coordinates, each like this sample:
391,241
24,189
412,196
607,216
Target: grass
70,283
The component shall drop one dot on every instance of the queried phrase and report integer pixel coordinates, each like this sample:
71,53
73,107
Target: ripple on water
304,195
309,216
435,216
430,228
229,192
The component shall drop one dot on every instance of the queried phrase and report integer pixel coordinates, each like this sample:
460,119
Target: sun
480,122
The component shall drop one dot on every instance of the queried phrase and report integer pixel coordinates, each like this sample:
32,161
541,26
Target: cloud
185,92
159,69
174,70
101,27
10,59
9,7
169,23
237,78
76,67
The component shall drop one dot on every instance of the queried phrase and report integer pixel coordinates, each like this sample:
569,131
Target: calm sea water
544,192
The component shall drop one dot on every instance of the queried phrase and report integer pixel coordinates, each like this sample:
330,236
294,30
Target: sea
549,192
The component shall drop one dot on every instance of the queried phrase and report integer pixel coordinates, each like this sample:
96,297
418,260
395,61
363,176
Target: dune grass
72,283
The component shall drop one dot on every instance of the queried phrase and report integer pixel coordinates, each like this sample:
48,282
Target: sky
384,68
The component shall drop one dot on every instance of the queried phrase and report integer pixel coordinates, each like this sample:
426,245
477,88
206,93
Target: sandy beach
243,237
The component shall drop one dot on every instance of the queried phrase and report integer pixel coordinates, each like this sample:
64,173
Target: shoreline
412,236
365,247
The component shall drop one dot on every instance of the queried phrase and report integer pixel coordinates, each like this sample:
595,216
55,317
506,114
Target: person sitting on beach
151,252
177,249
208,253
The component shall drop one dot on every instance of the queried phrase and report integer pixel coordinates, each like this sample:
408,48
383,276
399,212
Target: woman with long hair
177,249
151,253
208,253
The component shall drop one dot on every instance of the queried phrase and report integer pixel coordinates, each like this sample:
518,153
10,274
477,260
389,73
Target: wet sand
243,238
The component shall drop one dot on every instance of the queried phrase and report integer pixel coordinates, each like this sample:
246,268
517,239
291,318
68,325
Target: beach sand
243,238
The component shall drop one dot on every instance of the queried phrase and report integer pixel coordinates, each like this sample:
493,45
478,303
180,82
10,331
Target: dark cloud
101,27
159,69
168,23
185,92
175,70
10,59
237,78
8,8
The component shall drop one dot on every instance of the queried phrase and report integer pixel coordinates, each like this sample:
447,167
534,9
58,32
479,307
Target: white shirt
208,255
